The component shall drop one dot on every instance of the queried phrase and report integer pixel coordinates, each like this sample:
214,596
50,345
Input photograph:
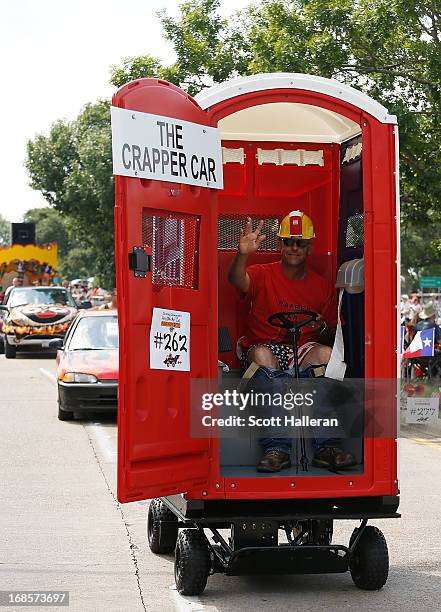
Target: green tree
419,257
144,66
50,226
209,49
78,263
390,49
72,167
5,232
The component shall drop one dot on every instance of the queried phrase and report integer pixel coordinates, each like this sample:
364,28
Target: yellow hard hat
296,225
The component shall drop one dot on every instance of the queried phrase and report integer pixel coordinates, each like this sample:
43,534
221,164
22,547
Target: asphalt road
61,527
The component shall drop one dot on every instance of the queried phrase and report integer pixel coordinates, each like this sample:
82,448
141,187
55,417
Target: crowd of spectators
86,292
417,314
411,307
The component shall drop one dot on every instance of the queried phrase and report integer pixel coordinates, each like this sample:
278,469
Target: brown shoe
334,458
274,461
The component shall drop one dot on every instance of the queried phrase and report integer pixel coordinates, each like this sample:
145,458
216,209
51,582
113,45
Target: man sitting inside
288,284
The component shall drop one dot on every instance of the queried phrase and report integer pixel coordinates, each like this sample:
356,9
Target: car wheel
369,564
10,351
162,528
2,345
192,562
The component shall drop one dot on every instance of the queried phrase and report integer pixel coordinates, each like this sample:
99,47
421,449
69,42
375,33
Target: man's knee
318,354
263,356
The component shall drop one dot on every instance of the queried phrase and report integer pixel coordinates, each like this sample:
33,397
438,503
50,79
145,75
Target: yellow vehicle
32,311
29,263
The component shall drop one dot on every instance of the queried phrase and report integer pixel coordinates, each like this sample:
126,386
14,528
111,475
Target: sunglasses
298,242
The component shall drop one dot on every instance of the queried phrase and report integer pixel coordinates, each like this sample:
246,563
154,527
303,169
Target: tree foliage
50,226
390,49
72,167
5,232
209,50
133,68
79,263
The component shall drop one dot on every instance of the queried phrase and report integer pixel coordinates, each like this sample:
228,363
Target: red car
87,365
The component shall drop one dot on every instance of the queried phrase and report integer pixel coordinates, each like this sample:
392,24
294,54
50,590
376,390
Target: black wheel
2,346
369,563
192,562
162,528
10,351
65,415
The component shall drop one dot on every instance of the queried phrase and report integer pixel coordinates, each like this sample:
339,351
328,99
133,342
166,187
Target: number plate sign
422,410
170,340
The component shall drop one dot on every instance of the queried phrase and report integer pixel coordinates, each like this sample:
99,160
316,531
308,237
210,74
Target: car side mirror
3,307
57,343
84,305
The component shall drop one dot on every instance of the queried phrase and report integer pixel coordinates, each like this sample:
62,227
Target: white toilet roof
287,121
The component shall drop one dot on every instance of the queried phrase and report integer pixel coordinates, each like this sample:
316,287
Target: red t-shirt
271,291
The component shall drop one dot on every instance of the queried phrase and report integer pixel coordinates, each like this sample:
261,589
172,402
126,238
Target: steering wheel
282,319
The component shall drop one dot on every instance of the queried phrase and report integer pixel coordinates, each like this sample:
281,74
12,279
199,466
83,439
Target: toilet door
166,253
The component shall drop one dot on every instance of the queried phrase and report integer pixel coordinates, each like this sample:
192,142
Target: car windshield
95,333
49,295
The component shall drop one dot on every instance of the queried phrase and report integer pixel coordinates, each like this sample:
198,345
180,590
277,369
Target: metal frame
253,546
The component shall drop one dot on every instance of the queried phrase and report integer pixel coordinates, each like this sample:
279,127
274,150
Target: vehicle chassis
253,547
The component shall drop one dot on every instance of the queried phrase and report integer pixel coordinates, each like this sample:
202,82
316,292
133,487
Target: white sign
422,410
165,149
170,340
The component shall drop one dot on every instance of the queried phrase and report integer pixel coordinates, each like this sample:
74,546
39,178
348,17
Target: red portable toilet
288,141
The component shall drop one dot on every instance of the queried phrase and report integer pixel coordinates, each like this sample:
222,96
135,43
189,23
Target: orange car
87,364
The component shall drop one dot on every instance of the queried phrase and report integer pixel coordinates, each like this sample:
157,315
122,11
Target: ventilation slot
174,242
355,231
233,156
353,152
229,228
296,157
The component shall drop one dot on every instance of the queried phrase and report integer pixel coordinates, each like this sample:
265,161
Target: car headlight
78,377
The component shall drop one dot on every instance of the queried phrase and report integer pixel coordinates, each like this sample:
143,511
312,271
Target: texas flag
422,345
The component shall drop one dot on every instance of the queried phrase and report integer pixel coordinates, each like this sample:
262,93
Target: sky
55,57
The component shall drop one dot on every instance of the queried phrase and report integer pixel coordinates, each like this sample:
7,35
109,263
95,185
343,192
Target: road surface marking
104,442
48,374
98,433
433,442
186,604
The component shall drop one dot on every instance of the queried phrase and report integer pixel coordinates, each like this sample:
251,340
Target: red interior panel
270,192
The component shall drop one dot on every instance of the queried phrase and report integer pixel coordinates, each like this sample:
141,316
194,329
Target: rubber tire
65,415
2,346
10,351
369,564
192,562
161,537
